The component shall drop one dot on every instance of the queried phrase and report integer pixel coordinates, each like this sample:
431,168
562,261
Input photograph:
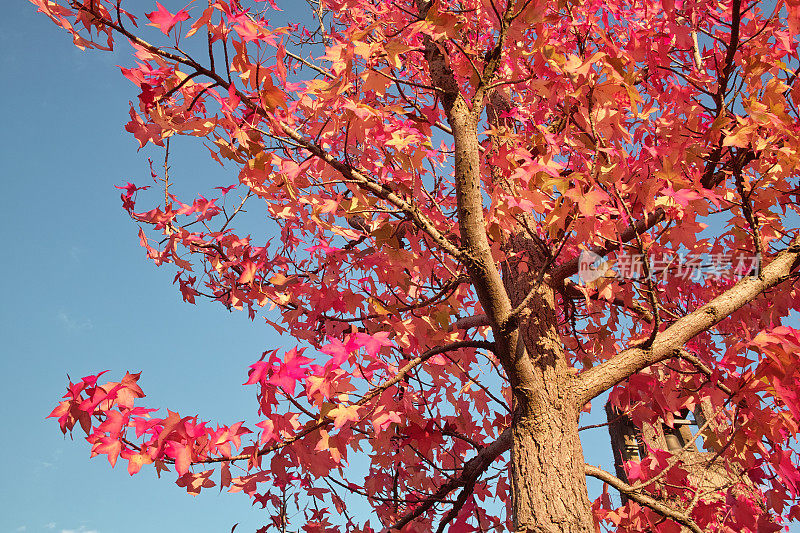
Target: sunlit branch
642,498
604,376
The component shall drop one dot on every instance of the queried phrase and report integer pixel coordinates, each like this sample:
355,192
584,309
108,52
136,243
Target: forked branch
469,475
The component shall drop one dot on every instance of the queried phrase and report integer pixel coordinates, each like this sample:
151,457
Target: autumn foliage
440,174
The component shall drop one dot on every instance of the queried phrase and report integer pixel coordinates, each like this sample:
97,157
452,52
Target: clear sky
79,297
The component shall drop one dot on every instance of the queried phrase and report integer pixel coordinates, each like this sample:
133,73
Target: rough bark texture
547,470
547,474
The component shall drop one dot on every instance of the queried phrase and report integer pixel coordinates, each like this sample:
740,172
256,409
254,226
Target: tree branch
380,190
642,498
400,376
469,322
570,268
607,374
710,180
469,475
571,290
477,254
703,368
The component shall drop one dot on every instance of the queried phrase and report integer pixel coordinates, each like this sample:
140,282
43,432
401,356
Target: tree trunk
548,481
547,469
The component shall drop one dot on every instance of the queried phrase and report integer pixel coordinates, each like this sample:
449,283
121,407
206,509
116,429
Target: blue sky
80,297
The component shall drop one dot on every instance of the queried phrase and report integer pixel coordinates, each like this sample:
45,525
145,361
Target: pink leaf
164,20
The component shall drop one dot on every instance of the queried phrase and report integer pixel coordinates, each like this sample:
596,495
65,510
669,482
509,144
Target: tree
439,172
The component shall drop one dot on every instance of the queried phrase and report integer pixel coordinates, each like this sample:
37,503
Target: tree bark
547,469
547,473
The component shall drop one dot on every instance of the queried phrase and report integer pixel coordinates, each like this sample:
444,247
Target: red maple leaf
291,370
164,20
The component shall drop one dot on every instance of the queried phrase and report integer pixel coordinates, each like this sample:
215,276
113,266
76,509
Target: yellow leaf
379,308
393,50
374,81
